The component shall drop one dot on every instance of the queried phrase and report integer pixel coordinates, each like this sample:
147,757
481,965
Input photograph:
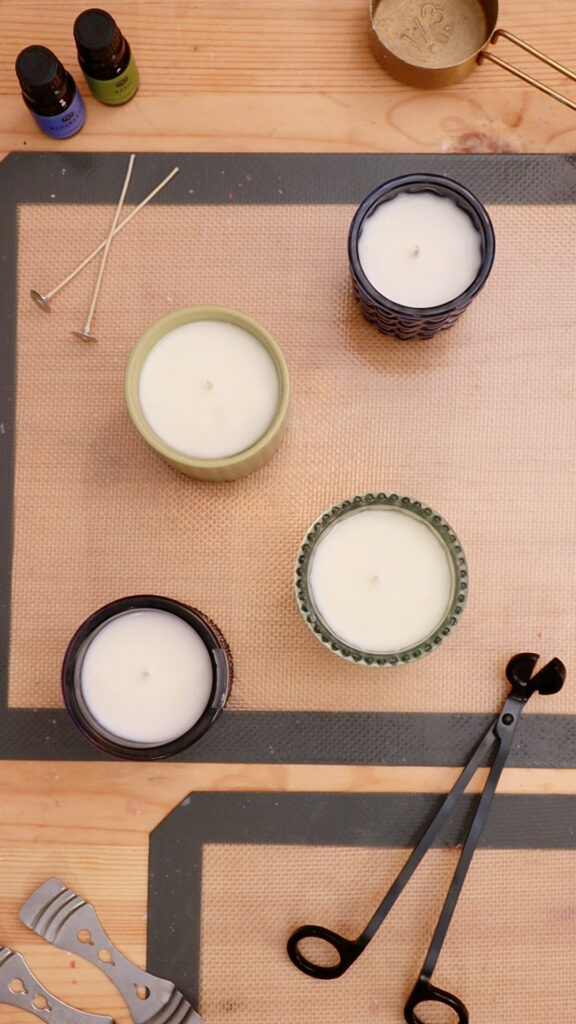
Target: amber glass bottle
49,92
105,57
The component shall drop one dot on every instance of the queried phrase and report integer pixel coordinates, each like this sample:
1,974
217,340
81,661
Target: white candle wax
209,389
146,676
419,249
381,580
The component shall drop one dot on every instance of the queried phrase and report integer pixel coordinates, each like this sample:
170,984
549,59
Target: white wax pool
146,676
381,580
419,249
209,389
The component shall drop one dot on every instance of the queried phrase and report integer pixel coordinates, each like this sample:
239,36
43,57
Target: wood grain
235,76
89,824
246,76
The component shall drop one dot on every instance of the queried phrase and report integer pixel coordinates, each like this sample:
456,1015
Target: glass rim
454,551
450,189
107,741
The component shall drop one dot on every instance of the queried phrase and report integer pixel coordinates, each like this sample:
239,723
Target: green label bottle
105,57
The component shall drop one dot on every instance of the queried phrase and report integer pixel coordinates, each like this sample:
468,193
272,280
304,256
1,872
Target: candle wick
416,250
209,385
374,580
145,674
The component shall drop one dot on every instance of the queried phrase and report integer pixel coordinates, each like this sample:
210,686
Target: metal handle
486,55
348,951
19,987
425,992
67,921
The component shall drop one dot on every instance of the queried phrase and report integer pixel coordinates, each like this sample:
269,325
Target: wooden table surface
253,77
243,76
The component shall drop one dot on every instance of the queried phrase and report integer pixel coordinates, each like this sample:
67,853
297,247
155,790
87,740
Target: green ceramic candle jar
208,388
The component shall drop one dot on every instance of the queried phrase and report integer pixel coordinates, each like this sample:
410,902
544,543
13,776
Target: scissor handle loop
425,992
348,951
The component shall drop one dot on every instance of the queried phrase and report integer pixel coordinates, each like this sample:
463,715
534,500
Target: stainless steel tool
67,921
19,987
86,334
43,301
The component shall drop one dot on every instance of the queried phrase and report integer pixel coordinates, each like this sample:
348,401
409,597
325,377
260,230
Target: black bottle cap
39,72
97,36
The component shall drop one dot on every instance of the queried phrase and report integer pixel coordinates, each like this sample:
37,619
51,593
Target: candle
420,249
381,579
145,676
208,388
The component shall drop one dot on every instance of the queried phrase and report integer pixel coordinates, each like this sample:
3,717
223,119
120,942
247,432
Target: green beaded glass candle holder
456,561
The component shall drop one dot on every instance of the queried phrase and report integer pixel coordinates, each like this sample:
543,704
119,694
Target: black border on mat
250,736
310,819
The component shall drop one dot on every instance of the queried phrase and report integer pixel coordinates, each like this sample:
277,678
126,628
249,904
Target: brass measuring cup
434,43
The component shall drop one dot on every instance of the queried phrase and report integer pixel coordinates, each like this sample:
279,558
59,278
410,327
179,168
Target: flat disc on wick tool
39,300
431,35
83,336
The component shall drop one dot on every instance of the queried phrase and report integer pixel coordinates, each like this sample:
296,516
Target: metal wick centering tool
85,335
19,987
61,917
43,301
500,733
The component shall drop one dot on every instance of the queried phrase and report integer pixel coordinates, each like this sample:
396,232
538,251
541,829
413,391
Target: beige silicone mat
479,422
509,953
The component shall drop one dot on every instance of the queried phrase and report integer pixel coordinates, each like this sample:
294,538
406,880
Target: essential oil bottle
50,93
105,57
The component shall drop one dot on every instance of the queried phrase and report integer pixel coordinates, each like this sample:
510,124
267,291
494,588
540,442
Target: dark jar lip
440,186
222,675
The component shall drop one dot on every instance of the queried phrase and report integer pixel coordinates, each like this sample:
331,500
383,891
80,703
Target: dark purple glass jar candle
144,677
436,201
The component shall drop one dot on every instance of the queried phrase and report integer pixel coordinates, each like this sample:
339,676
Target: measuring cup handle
348,951
425,992
503,33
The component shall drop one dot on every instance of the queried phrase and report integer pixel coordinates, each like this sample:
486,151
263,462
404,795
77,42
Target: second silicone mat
233,874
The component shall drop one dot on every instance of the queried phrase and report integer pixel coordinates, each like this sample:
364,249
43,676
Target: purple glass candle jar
420,247
144,677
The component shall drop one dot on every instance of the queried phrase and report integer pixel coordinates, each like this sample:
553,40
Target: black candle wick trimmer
500,733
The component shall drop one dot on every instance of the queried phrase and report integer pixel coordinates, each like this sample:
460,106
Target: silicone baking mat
232,875
478,422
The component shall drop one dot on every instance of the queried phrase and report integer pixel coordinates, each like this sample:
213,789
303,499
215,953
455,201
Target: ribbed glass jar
407,322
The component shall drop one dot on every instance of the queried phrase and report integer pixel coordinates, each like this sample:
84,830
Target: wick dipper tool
61,917
19,987
548,680
43,301
85,334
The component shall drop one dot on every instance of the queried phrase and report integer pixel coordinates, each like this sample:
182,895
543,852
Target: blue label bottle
50,93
